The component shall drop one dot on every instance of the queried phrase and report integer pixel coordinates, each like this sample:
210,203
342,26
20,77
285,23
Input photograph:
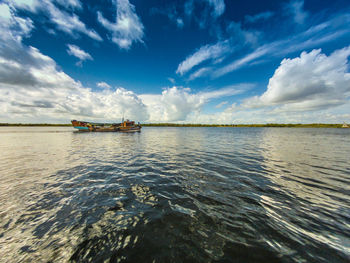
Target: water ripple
175,195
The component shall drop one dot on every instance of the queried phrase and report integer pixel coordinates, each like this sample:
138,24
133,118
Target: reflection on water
175,195
310,171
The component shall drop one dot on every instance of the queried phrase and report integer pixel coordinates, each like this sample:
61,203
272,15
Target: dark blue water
175,195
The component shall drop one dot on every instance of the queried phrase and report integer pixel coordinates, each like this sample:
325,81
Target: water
175,195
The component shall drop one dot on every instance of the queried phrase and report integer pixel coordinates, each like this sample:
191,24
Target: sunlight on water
175,195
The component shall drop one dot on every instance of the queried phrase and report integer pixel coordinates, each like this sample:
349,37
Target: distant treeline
312,125
35,124
299,125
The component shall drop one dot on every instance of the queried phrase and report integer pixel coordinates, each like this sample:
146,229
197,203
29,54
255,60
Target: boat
124,126
345,125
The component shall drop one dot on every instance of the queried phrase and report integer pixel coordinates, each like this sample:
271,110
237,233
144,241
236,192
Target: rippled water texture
175,195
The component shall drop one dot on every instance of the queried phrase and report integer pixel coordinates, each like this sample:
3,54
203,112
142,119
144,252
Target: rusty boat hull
126,126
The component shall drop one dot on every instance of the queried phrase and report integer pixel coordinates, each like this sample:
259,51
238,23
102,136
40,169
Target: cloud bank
34,89
312,81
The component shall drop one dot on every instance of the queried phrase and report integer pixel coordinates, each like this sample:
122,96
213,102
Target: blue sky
191,61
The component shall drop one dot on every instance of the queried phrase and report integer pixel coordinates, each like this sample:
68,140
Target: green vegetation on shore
34,125
299,125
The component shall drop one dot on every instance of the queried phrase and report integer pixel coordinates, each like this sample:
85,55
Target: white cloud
76,51
33,88
226,91
218,7
312,81
221,104
45,92
258,17
178,104
127,28
216,53
5,12
242,36
75,4
261,51
179,22
174,104
103,85
172,80
67,22
199,73
13,27
203,54
296,9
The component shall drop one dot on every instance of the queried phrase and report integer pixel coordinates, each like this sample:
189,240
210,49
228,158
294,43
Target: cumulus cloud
51,94
76,51
174,104
5,12
177,103
33,88
36,89
103,85
309,82
127,28
67,22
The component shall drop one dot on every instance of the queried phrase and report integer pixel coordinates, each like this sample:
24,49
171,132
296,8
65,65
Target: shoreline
278,125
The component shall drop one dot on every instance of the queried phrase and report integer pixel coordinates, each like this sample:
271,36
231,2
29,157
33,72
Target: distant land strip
35,124
289,125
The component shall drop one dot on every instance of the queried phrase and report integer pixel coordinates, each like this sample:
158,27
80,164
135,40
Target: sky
190,61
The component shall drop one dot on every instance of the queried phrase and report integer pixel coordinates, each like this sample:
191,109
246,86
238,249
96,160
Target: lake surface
175,195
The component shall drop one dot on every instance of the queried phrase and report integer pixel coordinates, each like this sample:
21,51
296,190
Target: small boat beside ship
124,126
